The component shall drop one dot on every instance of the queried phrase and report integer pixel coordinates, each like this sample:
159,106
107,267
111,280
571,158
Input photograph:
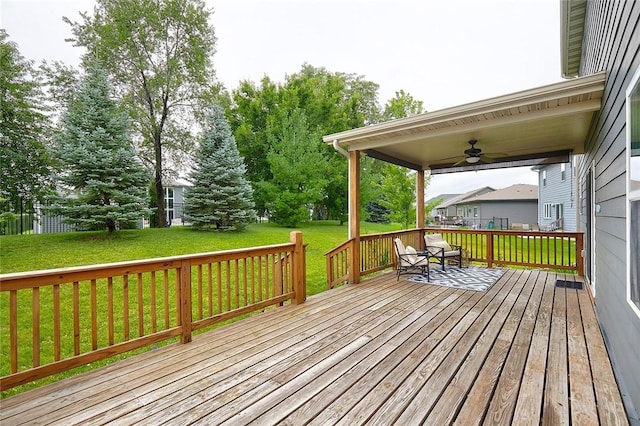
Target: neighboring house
174,191
442,198
448,210
557,197
518,204
605,36
487,207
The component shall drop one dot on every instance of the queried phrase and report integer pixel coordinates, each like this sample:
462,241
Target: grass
36,252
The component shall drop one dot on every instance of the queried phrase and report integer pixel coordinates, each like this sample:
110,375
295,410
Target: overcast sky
445,53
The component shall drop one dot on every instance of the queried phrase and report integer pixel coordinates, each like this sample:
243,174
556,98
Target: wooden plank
473,409
392,394
224,396
332,386
454,395
608,399
297,385
368,391
528,407
434,389
504,399
583,402
555,406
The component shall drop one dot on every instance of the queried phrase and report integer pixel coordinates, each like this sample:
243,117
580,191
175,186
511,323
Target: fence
56,320
555,250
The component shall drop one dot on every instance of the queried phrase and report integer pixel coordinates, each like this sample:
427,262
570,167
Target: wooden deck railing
55,320
552,250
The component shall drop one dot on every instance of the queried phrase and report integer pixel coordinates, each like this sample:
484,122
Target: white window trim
629,196
547,211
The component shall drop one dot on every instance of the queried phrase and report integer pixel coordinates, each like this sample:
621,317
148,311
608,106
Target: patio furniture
440,249
409,260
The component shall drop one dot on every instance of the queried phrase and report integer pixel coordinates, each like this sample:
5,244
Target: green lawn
31,252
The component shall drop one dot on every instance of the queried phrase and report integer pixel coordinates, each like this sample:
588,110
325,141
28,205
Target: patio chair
410,261
440,249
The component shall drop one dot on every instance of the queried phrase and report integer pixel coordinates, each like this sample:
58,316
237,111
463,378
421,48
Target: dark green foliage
25,172
298,167
105,184
220,196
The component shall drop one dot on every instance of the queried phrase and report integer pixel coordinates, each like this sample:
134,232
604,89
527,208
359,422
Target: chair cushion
429,239
442,244
412,254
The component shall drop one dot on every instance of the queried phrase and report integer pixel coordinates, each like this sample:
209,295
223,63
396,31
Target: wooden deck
380,352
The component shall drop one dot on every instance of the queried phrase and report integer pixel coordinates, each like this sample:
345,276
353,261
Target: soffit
528,124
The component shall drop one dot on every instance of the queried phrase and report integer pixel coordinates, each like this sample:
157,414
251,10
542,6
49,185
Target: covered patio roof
534,126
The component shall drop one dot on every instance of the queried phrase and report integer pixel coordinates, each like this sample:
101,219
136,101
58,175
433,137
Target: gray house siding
524,211
611,42
557,191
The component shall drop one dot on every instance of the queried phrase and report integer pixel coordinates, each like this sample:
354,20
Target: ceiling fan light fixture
473,160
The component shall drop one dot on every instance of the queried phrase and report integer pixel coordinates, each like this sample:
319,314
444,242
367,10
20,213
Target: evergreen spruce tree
221,196
106,184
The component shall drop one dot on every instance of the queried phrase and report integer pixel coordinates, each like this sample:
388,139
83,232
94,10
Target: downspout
342,151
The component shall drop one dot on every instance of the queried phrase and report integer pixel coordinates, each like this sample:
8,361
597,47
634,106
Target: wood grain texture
379,352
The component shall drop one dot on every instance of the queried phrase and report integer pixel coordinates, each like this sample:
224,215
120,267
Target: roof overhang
572,15
542,123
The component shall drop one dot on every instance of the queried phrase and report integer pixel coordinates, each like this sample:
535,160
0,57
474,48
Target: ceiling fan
474,155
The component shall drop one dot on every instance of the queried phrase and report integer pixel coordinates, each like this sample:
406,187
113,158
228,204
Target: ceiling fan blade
487,159
460,163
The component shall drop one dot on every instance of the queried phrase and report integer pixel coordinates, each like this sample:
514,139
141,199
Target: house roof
545,122
464,197
519,191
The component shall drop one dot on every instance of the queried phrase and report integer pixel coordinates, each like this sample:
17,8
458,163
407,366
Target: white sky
443,52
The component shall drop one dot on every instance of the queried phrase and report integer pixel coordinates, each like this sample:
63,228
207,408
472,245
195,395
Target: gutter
340,149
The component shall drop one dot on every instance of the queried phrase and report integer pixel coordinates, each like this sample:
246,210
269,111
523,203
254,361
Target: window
547,211
168,203
475,212
544,178
563,171
633,194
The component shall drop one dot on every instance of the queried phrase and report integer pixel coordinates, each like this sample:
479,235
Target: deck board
379,352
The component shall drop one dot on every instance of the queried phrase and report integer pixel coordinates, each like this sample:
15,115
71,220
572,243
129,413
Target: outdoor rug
474,278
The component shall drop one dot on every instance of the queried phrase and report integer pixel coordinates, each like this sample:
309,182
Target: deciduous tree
158,54
25,172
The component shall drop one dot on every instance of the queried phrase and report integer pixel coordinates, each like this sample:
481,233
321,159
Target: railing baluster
13,329
35,318
125,307
110,311
94,316
140,306
56,322
76,318
154,313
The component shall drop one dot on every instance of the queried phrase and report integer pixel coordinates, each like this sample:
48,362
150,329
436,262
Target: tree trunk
158,180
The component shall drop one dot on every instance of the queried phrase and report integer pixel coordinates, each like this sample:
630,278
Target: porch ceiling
532,124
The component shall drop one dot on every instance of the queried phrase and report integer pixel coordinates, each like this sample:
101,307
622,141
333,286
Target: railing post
490,249
298,269
185,301
579,254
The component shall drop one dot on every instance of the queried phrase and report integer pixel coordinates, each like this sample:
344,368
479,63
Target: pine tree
106,184
221,196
